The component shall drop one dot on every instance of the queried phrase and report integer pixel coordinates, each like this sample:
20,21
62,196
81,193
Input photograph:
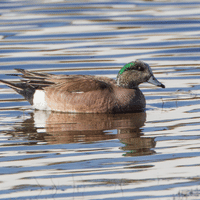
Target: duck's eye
139,68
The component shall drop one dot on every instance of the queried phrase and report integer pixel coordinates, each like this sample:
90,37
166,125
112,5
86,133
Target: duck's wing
80,94
80,83
69,83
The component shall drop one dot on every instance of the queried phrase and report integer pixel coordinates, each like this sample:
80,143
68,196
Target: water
150,155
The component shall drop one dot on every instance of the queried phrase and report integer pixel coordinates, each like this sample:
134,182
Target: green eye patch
127,66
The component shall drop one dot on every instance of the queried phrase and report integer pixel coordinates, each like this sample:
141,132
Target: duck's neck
122,81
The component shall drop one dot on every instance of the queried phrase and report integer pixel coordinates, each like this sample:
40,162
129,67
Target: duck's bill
154,81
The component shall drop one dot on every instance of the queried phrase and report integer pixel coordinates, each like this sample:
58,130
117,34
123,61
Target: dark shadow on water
64,128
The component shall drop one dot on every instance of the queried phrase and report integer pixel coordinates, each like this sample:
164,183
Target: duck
86,93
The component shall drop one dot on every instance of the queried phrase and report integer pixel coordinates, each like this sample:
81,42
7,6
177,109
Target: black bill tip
162,86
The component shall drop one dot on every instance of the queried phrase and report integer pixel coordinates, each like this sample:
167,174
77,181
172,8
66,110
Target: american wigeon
86,93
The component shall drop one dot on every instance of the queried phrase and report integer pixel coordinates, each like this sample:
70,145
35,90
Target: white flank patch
39,100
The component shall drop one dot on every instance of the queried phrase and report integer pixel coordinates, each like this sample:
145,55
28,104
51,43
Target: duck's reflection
62,128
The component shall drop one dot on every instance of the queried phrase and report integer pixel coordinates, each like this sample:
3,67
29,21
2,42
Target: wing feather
80,83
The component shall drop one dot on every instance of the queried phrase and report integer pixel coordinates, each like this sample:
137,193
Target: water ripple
150,155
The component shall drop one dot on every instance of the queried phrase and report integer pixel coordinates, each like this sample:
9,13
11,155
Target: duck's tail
23,89
31,82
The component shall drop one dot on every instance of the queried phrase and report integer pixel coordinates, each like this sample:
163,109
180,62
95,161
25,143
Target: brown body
107,100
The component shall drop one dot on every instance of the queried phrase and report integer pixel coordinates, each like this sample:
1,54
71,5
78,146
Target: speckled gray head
135,73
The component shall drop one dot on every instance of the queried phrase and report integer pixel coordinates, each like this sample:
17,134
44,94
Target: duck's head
135,73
